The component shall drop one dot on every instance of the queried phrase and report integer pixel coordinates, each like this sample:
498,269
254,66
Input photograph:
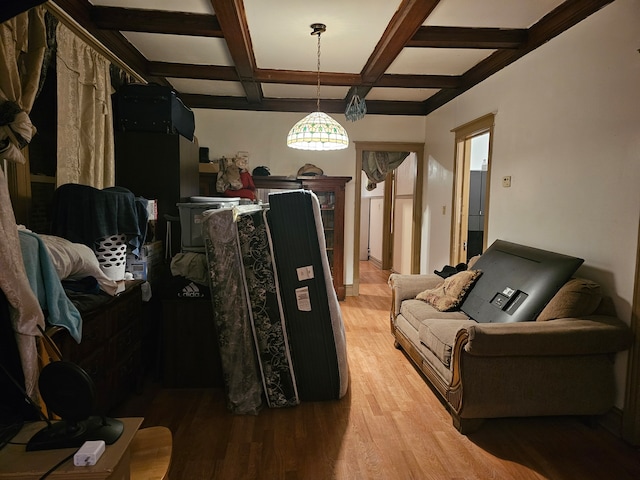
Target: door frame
461,174
416,234
631,409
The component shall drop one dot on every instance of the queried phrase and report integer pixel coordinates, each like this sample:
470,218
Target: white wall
263,135
567,130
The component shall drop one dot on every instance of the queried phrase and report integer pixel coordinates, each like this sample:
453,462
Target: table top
17,463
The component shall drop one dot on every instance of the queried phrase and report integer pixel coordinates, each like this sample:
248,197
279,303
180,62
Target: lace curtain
22,47
85,125
377,165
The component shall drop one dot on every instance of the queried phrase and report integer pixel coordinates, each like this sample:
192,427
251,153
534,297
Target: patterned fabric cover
267,318
231,314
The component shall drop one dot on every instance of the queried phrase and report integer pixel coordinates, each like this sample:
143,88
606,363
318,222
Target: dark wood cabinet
190,353
111,347
158,166
330,192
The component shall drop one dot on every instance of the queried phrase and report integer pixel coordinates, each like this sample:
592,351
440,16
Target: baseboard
612,421
376,262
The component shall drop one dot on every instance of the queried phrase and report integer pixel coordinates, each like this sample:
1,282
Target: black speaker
69,392
204,154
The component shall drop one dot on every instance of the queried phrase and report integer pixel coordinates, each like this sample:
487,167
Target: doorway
413,240
470,202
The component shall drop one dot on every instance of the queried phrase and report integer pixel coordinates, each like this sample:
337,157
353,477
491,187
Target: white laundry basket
112,255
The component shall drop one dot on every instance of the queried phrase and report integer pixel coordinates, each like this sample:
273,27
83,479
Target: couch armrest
404,287
595,334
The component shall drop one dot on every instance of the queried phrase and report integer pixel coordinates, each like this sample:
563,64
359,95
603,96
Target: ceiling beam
557,21
200,72
467,37
155,21
233,22
297,77
403,26
298,105
418,81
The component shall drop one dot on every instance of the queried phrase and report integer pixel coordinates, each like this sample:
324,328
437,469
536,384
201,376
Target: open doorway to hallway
413,218
470,212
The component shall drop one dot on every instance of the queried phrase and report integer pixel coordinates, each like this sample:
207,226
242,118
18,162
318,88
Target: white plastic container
191,221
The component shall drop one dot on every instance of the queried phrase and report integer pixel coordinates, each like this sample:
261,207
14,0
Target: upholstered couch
562,366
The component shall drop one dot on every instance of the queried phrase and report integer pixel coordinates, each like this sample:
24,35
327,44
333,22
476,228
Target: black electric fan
69,392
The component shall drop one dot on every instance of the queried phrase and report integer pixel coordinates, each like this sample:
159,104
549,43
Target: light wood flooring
390,426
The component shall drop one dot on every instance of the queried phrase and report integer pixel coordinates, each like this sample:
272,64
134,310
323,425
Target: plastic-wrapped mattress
265,309
312,313
240,372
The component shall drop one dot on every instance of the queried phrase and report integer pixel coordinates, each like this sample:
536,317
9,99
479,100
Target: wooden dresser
110,350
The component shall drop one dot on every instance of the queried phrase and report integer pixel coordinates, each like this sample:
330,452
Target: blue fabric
47,287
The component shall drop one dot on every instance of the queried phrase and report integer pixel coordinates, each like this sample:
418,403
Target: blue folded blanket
47,287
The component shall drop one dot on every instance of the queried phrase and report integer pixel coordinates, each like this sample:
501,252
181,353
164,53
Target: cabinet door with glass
330,193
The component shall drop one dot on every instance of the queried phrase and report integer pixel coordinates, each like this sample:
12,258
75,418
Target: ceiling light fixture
318,131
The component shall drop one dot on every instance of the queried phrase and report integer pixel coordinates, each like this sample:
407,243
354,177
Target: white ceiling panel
207,87
437,61
278,90
181,48
490,13
401,94
191,6
281,33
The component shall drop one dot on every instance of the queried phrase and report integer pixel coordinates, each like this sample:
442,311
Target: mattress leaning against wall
312,312
243,387
265,309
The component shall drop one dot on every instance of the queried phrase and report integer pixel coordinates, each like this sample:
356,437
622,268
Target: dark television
516,282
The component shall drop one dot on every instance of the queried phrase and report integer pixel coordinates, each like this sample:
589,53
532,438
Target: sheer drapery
85,128
22,48
378,164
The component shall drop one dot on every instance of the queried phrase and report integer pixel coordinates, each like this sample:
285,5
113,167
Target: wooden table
17,463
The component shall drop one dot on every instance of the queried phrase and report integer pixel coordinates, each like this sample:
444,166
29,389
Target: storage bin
191,221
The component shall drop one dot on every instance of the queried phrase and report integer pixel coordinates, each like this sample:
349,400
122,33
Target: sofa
561,363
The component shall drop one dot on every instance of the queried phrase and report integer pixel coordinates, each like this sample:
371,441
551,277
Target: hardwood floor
390,425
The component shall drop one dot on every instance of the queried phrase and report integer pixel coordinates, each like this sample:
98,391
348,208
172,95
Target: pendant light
318,131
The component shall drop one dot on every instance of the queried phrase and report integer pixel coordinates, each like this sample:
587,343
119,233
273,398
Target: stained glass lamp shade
318,131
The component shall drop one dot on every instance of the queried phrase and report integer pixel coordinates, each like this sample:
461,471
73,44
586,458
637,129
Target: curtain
85,125
22,48
377,165
25,311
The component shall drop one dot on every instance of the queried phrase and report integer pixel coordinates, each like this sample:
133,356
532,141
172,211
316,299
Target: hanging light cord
318,90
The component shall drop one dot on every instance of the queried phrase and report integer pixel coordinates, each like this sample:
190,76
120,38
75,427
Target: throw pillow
450,294
576,298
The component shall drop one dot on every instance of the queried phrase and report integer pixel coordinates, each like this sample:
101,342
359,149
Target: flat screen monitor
516,282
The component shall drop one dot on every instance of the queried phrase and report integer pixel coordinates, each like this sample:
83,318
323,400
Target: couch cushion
416,311
576,298
449,295
439,336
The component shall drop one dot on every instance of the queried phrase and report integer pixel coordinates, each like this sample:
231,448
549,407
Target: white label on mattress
305,273
302,297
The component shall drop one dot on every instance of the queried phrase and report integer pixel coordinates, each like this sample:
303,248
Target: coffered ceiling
404,57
